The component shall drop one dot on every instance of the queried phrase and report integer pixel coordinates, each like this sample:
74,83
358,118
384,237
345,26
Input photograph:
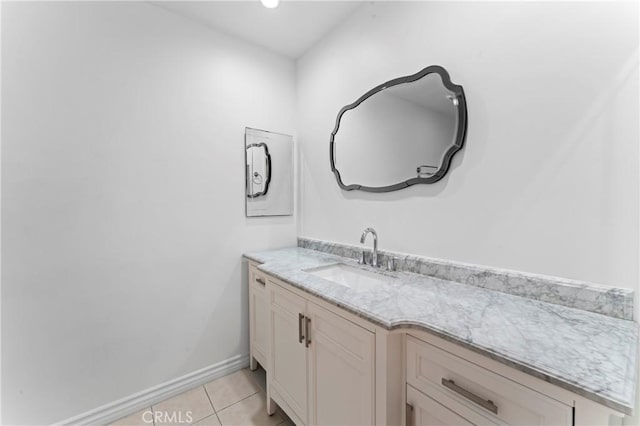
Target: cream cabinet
321,365
258,317
326,366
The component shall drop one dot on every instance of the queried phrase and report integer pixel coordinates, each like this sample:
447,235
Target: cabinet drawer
427,410
257,277
434,371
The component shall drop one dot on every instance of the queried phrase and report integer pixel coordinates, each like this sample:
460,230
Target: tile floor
234,400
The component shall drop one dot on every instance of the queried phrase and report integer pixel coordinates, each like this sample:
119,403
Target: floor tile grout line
246,397
205,417
209,398
211,402
153,410
153,415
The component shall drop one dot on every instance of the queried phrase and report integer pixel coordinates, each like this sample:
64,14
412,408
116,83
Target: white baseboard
140,400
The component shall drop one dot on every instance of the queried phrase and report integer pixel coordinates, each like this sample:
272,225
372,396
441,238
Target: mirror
268,173
400,133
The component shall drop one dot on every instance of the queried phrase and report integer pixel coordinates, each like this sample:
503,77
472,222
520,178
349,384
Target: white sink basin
349,276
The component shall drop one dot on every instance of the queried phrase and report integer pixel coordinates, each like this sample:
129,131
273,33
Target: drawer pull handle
260,281
486,404
409,414
307,332
300,326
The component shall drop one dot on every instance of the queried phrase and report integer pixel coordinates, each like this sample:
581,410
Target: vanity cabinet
258,317
321,365
327,366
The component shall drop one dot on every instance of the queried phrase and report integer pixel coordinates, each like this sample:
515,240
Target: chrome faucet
374,253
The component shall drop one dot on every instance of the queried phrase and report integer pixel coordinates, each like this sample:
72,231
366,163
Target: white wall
123,199
548,180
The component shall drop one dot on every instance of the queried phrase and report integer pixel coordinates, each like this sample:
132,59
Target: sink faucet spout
374,253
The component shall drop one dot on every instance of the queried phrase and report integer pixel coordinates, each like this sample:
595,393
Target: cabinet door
341,370
288,361
425,411
258,317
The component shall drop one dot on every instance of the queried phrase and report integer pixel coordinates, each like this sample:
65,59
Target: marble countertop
592,355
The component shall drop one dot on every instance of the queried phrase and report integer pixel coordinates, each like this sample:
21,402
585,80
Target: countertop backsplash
611,301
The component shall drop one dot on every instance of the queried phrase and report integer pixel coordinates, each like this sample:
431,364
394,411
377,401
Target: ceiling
290,29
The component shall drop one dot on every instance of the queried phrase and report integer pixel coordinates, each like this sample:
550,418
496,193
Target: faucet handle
362,260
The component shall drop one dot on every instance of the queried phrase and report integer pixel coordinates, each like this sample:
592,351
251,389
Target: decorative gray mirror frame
446,162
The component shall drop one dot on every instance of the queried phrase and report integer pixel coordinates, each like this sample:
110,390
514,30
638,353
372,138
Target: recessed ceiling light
270,4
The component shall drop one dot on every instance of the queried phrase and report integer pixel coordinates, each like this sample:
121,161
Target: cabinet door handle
486,404
307,332
409,414
260,281
300,327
